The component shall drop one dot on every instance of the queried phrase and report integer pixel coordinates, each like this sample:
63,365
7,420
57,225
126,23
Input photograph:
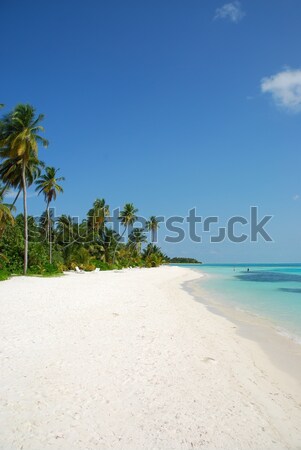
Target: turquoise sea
271,291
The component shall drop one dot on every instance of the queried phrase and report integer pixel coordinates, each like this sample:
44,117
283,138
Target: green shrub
4,275
79,257
101,265
47,270
153,260
12,249
88,267
38,257
51,268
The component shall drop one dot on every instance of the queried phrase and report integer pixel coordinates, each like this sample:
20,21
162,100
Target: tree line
49,245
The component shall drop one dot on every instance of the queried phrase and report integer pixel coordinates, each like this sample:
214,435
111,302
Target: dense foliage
184,261
49,245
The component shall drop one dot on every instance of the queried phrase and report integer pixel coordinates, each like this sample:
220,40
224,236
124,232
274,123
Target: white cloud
231,11
296,197
285,88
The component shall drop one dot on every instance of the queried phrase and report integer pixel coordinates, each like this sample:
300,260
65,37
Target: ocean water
270,291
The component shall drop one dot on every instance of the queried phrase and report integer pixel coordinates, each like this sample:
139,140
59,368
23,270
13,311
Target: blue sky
169,105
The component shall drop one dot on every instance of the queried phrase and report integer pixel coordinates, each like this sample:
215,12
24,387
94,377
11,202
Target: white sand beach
129,360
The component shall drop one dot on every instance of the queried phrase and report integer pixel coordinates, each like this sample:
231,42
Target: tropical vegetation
48,245
180,260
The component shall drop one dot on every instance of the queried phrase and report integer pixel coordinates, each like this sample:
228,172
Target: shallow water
269,291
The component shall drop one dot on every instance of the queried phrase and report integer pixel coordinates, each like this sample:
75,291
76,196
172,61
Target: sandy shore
129,360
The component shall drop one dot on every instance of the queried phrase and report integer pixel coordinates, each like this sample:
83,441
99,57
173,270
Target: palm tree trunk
155,235
49,233
14,202
133,248
115,250
25,218
4,189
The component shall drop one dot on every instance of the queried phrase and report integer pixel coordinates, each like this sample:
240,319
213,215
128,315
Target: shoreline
251,326
129,359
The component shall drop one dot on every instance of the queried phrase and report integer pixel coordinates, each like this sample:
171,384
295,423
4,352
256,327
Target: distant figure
248,270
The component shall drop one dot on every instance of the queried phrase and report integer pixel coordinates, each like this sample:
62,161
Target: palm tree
19,140
67,235
66,232
110,239
127,217
11,174
48,185
137,238
153,256
97,215
151,249
152,225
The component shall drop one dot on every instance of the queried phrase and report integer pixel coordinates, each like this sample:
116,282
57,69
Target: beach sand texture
129,360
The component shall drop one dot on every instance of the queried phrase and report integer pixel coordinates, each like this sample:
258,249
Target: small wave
293,337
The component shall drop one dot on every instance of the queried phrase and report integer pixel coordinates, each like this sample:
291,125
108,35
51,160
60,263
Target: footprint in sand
208,359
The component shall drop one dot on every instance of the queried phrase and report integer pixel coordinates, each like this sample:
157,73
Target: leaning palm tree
127,217
152,225
11,174
19,139
48,185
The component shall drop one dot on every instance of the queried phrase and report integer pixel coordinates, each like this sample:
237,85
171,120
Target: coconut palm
127,217
151,249
152,225
153,256
11,174
48,185
137,238
65,228
97,215
19,139
67,235
110,239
